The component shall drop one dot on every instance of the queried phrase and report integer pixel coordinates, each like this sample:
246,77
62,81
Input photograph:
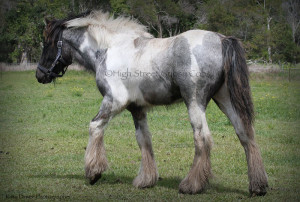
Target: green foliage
21,26
24,25
119,7
247,20
144,10
285,48
221,19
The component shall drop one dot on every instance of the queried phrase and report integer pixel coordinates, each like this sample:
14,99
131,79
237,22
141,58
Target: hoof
260,191
94,179
187,187
258,188
141,183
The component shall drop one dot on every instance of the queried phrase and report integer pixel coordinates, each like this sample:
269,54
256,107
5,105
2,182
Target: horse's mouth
44,81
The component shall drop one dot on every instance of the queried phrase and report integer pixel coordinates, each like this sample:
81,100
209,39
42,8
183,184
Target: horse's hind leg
200,172
256,171
148,174
95,158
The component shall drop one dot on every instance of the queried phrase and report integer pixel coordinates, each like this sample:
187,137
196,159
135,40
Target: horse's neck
90,51
82,48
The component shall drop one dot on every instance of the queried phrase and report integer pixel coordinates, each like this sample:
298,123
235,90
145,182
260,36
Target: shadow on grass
166,182
219,188
55,176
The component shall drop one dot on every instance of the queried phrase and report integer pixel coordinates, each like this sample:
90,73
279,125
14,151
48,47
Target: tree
159,15
284,49
269,28
120,7
292,11
23,25
22,32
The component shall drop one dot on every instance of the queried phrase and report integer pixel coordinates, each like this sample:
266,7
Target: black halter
58,59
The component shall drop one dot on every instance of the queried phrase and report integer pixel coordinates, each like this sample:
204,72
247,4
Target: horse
136,71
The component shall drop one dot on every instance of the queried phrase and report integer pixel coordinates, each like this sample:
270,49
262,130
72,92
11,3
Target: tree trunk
268,41
160,29
73,5
24,59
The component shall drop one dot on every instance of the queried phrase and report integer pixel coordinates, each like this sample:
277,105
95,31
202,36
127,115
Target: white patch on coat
88,43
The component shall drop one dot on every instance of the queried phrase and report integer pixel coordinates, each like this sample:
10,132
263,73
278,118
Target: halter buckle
59,44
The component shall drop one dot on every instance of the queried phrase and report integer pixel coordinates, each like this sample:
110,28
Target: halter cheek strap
58,59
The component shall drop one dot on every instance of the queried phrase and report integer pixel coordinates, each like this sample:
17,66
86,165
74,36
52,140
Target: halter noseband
58,59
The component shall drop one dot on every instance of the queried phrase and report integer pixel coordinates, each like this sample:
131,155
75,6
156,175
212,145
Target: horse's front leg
95,158
148,174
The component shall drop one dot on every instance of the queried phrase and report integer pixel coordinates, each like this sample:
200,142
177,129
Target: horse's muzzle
42,77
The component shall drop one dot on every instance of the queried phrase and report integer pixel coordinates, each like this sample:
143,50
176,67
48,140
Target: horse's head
55,57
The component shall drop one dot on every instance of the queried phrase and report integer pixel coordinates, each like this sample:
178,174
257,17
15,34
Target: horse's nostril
40,80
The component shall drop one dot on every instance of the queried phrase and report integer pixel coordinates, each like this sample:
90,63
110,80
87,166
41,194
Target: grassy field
44,132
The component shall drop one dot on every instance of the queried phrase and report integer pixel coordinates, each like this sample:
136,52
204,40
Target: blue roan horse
136,71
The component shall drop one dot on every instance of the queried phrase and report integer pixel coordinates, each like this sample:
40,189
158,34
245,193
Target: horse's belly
158,93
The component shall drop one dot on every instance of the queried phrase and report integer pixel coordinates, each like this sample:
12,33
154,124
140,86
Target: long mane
101,26
104,20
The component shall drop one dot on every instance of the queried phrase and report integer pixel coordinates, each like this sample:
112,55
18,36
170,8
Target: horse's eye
45,45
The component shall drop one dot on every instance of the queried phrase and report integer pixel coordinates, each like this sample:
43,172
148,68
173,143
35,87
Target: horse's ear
46,21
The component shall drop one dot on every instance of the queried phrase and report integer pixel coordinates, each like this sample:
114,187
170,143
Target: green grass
44,130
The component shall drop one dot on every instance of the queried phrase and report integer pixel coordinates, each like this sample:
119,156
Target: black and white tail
237,79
